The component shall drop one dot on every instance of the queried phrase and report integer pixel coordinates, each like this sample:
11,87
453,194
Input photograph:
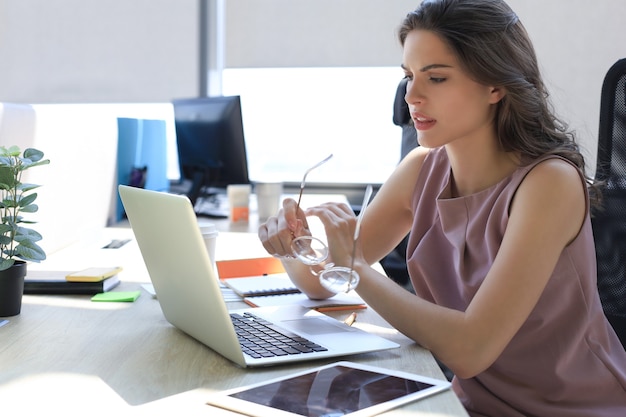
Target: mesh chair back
609,222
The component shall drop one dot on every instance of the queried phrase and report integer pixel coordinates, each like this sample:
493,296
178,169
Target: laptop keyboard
261,339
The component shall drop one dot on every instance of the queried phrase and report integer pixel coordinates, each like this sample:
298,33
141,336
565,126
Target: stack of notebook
88,282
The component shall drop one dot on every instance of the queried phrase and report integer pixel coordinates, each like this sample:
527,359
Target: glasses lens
339,279
309,250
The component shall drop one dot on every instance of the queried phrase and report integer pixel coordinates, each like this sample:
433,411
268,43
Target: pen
350,319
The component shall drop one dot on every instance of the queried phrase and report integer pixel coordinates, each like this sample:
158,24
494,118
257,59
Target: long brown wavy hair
494,48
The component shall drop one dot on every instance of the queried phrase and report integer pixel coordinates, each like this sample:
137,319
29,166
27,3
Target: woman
501,252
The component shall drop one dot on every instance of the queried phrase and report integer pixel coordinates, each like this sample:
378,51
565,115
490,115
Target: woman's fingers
277,233
339,222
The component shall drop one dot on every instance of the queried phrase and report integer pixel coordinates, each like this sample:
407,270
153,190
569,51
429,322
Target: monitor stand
197,183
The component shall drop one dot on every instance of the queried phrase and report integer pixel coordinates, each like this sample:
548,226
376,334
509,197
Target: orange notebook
255,276
241,268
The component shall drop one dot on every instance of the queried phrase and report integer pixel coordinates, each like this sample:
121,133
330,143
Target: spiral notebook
273,284
350,301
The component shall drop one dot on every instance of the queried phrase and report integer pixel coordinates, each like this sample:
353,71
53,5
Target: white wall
98,51
577,41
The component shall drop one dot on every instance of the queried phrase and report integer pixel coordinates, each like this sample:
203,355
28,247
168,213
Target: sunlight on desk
84,394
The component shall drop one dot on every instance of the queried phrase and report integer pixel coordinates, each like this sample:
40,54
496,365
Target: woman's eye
408,76
437,80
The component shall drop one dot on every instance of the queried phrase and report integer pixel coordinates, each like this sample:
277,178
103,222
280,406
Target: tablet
338,389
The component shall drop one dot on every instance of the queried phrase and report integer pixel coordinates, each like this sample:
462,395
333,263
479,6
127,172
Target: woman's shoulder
415,162
554,185
554,171
421,156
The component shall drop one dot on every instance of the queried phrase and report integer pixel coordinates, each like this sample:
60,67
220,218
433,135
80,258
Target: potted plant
17,242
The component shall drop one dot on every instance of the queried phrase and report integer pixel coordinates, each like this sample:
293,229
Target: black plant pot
12,289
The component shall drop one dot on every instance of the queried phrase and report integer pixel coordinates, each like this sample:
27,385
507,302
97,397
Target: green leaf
11,221
11,151
31,208
7,177
24,187
23,201
7,202
30,251
24,234
33,154
26,163
8,220
14,150
6,263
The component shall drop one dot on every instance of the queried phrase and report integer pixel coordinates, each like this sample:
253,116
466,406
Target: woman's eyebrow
433,66
427,67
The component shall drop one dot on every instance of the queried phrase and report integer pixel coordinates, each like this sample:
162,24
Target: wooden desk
68,354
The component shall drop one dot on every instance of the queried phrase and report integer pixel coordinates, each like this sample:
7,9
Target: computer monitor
211,144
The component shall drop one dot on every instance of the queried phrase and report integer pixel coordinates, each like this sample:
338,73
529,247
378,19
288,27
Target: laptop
188,291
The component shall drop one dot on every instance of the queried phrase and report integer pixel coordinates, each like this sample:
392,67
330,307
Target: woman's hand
339,223
277,233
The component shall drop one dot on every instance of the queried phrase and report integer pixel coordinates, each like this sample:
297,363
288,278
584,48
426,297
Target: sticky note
94,274
117,296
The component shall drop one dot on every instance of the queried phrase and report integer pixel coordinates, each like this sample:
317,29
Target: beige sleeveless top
566,359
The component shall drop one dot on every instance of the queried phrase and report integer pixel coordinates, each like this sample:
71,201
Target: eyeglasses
308,249
313,252
322,162
340,278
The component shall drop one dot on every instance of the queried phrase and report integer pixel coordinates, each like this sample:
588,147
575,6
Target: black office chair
402,118
609,222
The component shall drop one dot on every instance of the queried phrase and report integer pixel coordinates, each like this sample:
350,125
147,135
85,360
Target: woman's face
446,105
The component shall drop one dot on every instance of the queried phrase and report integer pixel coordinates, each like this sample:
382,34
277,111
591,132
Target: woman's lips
422,122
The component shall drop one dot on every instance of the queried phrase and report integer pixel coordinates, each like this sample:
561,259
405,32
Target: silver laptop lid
173,250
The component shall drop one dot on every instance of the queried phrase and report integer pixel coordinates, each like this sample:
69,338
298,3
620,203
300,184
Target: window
294,117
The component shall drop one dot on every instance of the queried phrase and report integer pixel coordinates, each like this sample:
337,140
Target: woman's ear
496,94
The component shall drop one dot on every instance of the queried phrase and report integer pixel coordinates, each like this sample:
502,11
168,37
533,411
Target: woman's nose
413,94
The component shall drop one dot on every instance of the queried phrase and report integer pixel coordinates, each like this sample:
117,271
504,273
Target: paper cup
209,234
268,196
239,201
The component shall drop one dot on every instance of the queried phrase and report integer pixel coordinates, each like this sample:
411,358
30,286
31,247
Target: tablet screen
336,390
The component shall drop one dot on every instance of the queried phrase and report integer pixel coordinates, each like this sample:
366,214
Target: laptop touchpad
313,325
